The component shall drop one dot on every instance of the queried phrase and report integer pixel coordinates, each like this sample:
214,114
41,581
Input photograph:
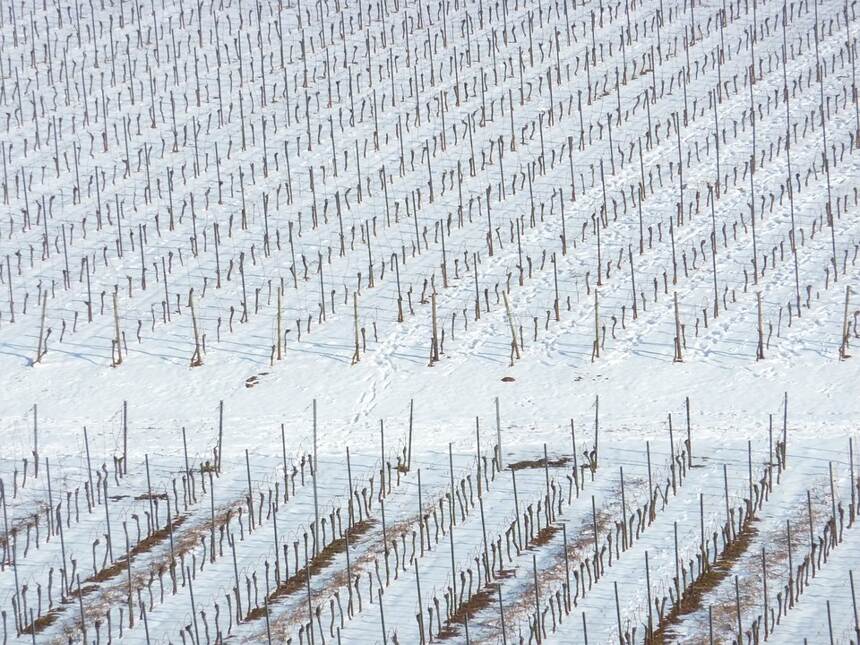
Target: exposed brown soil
298,580
691,599
119,566
477,603
540,463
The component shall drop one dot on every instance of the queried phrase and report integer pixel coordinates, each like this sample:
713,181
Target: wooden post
502,615
250,491
396,263
843,347
785,430
107,520
451,519
672,455
679,358
81,606
481,495
128,573
760,345
498,436
596,425
279,328
89,467
811,537
212,522
596,351
125,437
625,542
853,509
409,445
677,567
764,584
538,629
356,356
41,349
514,345
315,476
517,507
197,357
9,278
749,467
420,602
434,345
36,441
566,562
116,329
689,440
193,608
648,591
854,602
594,526
266,597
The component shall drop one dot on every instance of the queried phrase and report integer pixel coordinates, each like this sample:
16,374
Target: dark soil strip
479,601
540,463
119,566
486,596
691,599
298,580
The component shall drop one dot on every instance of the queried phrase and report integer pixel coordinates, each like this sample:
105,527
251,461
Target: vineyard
399,322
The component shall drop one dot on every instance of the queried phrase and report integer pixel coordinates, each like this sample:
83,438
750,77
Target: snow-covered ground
450,238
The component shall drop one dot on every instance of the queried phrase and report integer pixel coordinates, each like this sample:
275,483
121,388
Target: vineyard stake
81,606
128,572
594,524
689,438
854,601
575,465
409,452
149,489
584,629
266,603
451,519
193,610
625,539
107,521
538,630
125,437
710,625
89,468
420,603
738,610
480,493
502,615
283,462
517,506
677,566
499,436
250,492
316,503
212,518
764,584
811,537
648,589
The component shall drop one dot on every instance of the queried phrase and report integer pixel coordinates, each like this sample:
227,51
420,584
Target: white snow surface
364,159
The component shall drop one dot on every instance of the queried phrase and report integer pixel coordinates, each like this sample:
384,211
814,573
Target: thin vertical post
316,499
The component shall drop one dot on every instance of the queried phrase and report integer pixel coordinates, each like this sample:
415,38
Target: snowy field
401,322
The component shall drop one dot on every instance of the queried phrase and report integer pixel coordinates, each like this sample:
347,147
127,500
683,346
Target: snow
155,128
